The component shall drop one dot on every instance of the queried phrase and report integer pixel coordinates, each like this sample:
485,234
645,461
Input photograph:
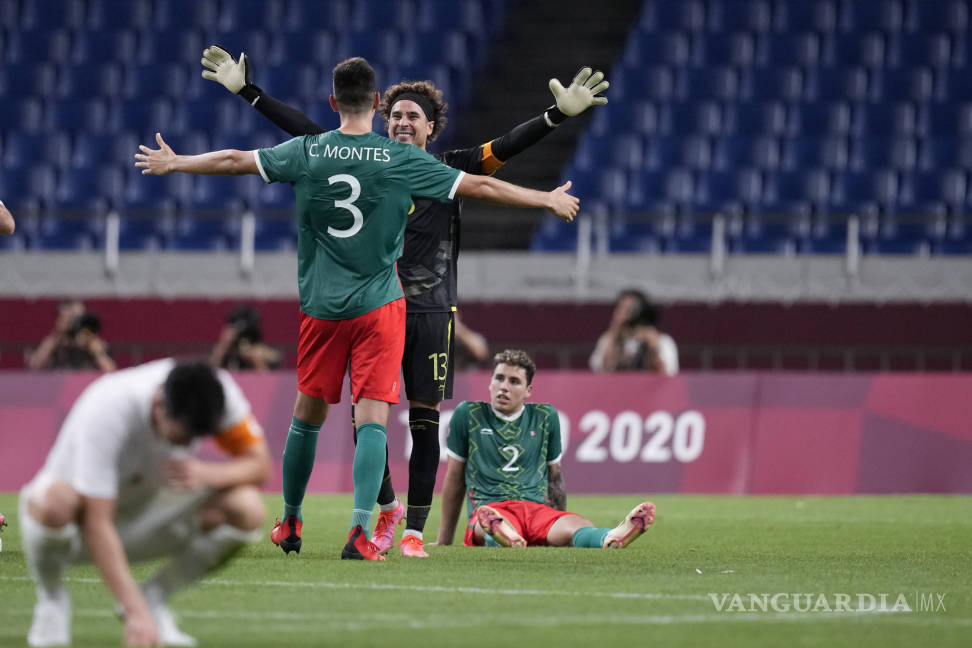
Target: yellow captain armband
490,162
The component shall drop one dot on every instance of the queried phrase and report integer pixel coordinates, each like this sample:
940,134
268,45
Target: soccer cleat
383,536
52,619
169,632
412,547
286,534
632,526
359,547
498,527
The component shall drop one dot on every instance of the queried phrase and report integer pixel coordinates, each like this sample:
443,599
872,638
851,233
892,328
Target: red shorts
532,521
369,347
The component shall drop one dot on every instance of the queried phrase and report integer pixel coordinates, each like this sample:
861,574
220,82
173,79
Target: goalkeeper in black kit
415,113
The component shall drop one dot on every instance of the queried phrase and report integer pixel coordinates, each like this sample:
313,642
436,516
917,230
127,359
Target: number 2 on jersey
347,203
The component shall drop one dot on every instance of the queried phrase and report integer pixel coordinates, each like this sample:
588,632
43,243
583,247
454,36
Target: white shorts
164,525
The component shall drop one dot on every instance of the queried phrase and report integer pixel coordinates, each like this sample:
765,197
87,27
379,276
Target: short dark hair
516,358
354,85
425,89
645,314
193,396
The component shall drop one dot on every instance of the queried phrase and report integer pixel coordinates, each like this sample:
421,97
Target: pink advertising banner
735,433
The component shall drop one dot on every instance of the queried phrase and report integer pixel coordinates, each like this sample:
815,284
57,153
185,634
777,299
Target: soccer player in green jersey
415,113
354,189
504,456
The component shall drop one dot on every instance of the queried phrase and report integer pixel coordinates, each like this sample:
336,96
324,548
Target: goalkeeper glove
580,95
232,75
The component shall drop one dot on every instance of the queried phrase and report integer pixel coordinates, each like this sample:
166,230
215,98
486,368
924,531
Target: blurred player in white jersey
122,484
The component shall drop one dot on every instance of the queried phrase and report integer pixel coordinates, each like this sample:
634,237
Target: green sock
369,465
298,462
589,537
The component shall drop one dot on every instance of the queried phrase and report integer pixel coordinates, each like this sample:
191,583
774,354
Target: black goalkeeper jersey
428,265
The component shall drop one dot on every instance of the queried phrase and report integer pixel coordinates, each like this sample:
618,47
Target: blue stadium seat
104,46
90,79
819,15
709,83
945,120
638,117
636,236
727,191
87,188
751,119
823,152
272,199
926,192
204,234
885,119
854,49
660,191
657,49
244,15
32,45
468,16
938,16
855,192
772,84
739,16
209,113
672,151
144,118
742,152
724,49
180,14
902,84
292,80
335,15
554,235
93,150
762,234
25,114
28,78
828,235
224,194
837,84
962,51
900,153
700,118
161,47
151,81
820,119
108,16
872,15
790,49
62,234
28,187
142,233
932,50
295,49
52,13
957,239
693,235
77,115
685,15
275,234
799,191
149,194
900,237
954,86
450,48
25,149
944,152
644,82
10,15
625,151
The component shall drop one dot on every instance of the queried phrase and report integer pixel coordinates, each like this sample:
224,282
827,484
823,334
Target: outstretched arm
452,491
7,224
234,75
580,95
163,161
504,193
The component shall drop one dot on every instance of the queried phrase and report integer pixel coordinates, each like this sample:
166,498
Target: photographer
74,343
240,346
632,341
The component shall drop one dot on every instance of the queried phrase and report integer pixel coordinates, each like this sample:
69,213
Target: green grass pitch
656,592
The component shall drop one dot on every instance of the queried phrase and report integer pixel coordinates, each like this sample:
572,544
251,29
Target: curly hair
516,358
426,89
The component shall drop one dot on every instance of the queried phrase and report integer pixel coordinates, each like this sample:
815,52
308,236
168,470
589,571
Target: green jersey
505,459
353,194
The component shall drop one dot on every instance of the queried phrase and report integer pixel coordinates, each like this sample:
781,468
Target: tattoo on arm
556,490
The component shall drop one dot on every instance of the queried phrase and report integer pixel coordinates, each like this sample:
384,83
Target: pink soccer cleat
632,526
383,536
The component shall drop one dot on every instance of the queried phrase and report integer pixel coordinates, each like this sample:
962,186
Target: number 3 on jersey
347,203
